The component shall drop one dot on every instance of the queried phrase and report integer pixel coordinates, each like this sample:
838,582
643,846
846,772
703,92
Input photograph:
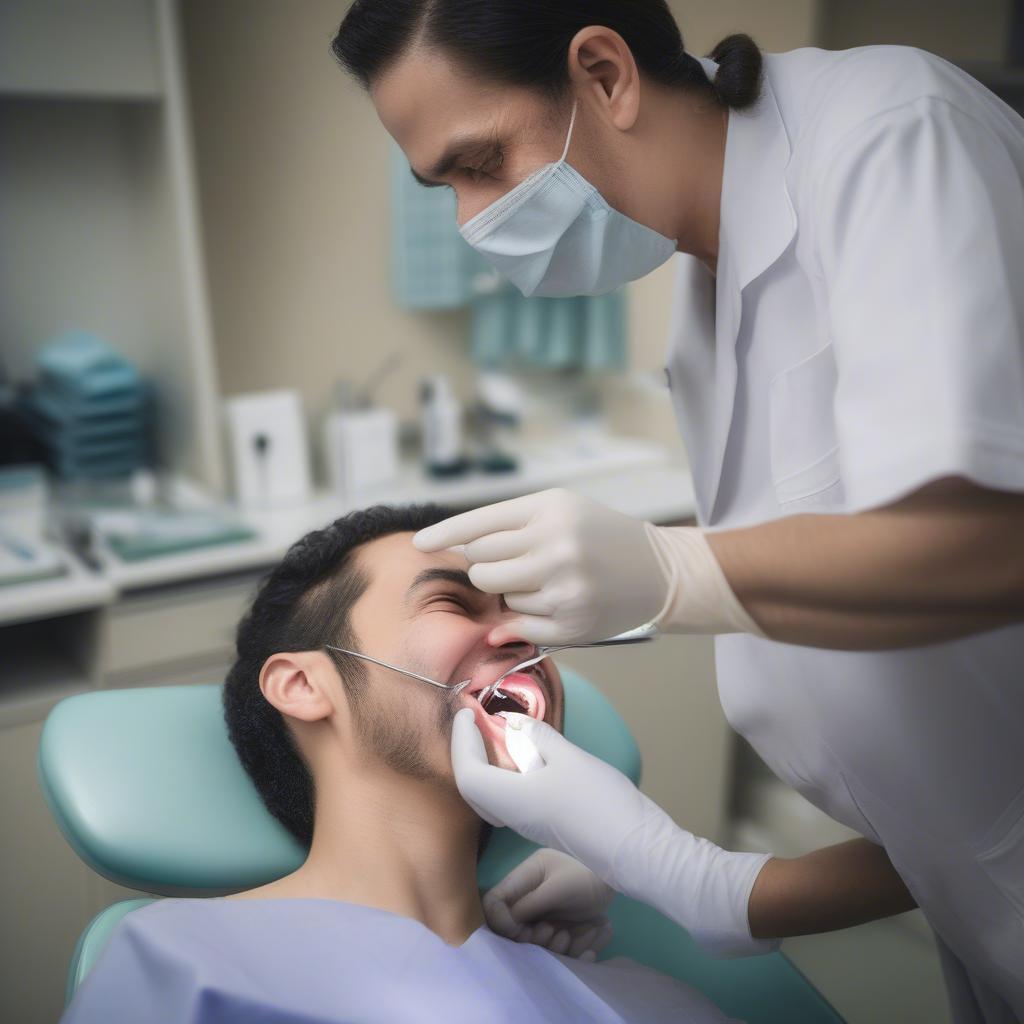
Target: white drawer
173,625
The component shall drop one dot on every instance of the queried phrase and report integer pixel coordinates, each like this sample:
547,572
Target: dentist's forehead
425,93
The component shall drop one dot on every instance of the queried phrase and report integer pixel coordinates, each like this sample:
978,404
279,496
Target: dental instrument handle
647,631
403,671
641,634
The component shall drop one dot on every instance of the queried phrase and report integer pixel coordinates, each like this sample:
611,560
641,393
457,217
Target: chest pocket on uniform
804,448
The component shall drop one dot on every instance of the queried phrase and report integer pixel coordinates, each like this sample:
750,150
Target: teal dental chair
146,788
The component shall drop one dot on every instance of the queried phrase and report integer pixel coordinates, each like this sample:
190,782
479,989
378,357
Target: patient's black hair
526,42
301,605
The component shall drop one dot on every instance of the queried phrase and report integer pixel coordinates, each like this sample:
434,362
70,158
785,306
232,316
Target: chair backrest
146,787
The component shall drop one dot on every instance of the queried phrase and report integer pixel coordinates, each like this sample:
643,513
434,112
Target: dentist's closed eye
485,168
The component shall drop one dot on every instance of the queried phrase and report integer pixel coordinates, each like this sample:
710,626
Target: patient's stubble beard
400,740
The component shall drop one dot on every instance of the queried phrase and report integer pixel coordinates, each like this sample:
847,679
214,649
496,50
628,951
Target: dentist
847,367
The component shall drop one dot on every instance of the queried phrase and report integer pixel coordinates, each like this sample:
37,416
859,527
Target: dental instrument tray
134,535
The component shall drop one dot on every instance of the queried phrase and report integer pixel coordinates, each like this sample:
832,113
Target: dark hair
302,604
525,42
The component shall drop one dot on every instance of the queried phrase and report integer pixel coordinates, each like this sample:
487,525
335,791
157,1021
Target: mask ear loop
568,137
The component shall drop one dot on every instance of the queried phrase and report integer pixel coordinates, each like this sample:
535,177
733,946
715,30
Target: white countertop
636,477
77,590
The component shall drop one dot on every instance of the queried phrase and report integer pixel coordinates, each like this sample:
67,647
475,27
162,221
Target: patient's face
421,612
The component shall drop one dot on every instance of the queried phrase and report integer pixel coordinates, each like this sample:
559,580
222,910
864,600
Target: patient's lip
486,674
532,685
527,691
523,688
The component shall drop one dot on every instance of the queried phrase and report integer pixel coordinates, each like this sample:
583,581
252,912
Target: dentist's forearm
836,887
946,561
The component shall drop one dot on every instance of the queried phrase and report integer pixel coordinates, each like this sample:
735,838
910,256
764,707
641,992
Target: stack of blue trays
90,408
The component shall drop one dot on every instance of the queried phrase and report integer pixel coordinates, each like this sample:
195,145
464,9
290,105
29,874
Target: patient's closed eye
451,599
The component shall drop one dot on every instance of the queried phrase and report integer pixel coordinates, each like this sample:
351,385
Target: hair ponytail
738,80
525,42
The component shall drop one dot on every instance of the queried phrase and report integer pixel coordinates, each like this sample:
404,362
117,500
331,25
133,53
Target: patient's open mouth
525,693
500,702
522,692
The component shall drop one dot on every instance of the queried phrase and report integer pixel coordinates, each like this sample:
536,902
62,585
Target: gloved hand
553,901
582,806
578,571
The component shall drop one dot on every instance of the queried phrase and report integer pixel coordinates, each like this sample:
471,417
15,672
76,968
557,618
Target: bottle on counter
361,439
441,418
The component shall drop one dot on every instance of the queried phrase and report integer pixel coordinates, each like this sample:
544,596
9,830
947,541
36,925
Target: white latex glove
578,571
582,806
575,570
554,901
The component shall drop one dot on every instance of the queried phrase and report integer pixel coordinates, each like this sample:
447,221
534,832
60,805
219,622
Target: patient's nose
518,649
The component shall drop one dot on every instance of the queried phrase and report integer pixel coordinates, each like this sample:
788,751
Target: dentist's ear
602,64
293,683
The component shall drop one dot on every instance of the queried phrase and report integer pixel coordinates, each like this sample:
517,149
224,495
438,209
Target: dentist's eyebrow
481,147
456,576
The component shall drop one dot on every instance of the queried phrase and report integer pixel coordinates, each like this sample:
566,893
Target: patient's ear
292,682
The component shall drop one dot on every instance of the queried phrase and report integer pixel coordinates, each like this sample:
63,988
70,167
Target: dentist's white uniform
864,336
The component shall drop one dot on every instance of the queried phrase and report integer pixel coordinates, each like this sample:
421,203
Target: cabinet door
161,634
43,889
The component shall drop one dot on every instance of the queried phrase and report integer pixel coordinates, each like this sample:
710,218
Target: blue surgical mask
554,234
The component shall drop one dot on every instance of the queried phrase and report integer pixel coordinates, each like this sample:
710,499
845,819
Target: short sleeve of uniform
919,218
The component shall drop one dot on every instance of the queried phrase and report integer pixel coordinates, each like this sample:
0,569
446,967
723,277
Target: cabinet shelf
98,203
105,48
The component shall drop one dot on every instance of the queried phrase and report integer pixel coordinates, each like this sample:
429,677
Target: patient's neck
390,841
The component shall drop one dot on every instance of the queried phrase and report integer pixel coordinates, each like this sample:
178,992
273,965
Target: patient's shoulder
150,969
166,915
638,992
187,929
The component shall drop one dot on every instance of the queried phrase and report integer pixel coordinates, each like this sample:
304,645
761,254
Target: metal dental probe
454,687
639,635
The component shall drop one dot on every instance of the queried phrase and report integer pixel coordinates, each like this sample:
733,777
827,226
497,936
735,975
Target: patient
383,920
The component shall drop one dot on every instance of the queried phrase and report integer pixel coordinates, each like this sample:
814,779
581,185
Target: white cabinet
97,200
104,48
170,630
